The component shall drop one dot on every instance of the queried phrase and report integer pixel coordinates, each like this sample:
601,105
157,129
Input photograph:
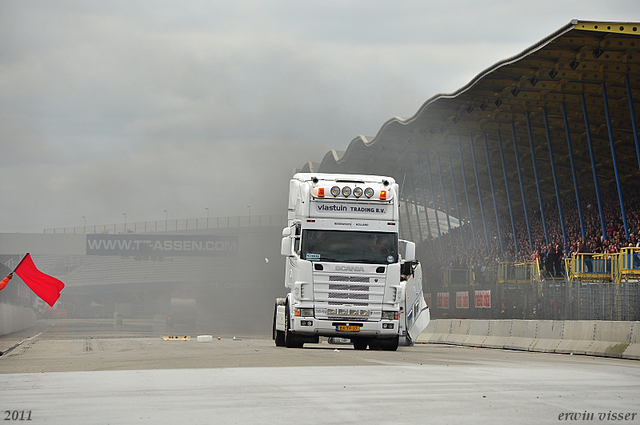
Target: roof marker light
368,192
357,192
346,191
321,192
383,194
335,191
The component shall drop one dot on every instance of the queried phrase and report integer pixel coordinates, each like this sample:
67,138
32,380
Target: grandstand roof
539,97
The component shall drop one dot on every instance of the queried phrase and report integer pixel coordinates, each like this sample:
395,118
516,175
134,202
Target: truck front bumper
344,328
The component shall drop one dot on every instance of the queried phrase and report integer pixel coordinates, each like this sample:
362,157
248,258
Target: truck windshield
349,247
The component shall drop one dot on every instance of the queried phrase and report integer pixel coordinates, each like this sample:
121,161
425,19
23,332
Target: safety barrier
548,335
591,267
478,332
612,337
589,337
617,267
633,350
498,333
577,337
441,330
587,267
628,264
458,332
518,272
522,332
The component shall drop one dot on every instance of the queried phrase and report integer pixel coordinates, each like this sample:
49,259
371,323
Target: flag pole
25,256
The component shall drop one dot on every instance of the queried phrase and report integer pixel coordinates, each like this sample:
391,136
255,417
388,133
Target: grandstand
539,150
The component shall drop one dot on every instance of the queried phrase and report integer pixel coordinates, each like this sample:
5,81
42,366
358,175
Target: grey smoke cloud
139,107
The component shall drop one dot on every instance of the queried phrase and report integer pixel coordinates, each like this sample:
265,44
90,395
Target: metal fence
591,301
176,225
546,300
595,287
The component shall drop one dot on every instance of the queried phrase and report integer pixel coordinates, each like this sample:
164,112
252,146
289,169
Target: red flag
46,287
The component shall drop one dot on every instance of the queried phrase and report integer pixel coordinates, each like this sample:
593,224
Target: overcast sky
112,107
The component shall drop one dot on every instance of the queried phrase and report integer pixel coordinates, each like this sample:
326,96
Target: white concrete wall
597,338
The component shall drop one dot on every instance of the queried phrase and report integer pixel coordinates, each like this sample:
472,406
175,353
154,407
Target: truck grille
348,296
354,279
356,293
348,287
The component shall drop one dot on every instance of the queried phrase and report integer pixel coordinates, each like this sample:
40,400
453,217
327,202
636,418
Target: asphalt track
79,372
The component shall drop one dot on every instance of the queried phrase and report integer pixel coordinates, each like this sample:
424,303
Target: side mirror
285,246
408,250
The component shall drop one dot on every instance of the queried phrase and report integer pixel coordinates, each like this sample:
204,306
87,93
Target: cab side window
296,241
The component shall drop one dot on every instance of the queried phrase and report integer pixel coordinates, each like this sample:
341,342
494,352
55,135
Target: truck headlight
368,192
389,315
303,312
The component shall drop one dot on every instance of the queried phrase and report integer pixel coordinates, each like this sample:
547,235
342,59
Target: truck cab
348,273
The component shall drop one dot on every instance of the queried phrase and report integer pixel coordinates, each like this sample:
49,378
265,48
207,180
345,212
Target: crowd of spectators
464,249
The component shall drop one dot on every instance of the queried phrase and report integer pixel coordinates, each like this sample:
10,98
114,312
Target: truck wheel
278,336
374,344
360,343
390,344
290,340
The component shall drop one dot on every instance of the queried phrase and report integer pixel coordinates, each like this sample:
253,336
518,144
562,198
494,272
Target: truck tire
360,343
390,344
374,344
290,340
278,336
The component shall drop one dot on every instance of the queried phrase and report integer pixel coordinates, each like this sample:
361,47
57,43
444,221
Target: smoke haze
113,111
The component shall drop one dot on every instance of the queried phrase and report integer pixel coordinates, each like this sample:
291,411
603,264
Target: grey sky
138,107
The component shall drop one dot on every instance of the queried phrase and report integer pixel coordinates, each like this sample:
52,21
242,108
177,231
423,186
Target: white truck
348,274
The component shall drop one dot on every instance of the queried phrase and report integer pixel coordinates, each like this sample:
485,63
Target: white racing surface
72,372
457,393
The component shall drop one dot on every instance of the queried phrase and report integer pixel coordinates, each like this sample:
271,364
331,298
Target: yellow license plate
348,328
